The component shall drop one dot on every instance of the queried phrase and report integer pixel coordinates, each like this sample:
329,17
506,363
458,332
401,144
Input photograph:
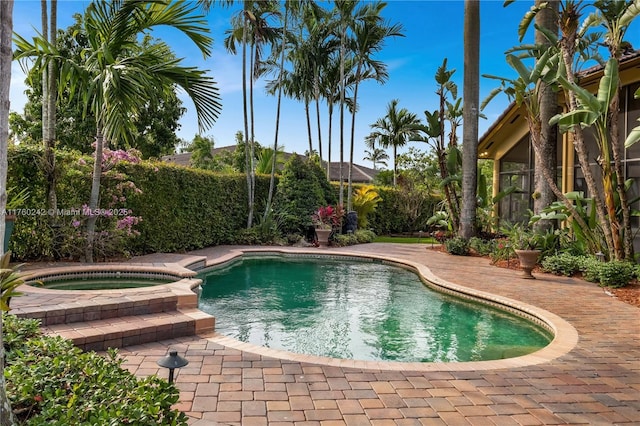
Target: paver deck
592,378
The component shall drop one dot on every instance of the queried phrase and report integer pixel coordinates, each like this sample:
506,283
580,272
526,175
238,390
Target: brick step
118,332
83,311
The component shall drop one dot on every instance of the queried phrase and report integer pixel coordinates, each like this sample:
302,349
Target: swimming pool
358,310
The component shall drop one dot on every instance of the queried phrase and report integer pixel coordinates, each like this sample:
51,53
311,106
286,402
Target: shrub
591,269
50,381
563,264
361,236
301,191
457,246
480,246
616,273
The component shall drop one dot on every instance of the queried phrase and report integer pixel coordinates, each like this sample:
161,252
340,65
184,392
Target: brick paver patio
594,380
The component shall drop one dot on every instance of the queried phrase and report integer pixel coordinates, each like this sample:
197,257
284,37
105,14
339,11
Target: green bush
563,264
616,273
591,269
457,246
50,381
302,190
401,210
482,247
361,236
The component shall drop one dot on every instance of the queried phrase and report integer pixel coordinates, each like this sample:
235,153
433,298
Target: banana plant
593,112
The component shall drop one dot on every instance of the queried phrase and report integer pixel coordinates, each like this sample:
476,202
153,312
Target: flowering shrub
115,224
328,217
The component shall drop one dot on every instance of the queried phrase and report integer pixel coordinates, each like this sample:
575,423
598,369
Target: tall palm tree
369,36
394,130
470,118
49,31
117,74
546,20
6,30
252,27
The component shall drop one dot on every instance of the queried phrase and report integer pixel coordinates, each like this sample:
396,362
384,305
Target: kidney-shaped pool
361,310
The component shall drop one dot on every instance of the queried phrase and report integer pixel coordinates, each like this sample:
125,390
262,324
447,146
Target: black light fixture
172,361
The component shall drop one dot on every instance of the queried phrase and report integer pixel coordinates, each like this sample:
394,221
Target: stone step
118,332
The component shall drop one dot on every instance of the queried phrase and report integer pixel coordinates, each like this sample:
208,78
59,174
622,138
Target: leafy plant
365,201
457,246
10,280
50,381
480,246
615,273
563,264
523,238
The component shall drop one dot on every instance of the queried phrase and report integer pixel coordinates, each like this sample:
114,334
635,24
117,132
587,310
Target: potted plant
526,243
325,219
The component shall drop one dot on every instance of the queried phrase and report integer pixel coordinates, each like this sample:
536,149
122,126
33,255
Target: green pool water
103,283
358,310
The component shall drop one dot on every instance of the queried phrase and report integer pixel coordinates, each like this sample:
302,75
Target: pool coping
188,266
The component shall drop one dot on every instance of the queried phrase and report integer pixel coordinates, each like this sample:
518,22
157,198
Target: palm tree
49,31
376,156
6,30
252,26
369,36
470,118
117,74
394,130
546,20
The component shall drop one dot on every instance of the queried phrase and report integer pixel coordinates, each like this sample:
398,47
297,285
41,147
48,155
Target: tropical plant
394,130
369,35
377,156
10,280
251,27
116,75
365,201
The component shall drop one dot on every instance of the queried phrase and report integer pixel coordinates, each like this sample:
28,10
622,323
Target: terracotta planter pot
528,260
323,236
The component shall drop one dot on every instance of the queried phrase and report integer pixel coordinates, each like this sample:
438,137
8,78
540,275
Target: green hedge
181,208
186,209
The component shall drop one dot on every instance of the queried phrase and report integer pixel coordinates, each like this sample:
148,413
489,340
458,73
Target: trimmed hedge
181,208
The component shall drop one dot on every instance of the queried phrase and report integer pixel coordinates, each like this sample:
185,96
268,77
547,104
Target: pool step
118,332
97,321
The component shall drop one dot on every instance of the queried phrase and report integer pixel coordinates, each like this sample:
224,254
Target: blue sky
433,31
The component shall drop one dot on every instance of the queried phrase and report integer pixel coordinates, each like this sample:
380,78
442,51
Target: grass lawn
405,240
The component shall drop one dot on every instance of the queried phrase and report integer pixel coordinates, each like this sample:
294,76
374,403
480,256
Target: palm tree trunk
274,162
470,120
246,114
352,140
6,33
343,36
548,103
94,198
51,111
329,138
319,127
251,147
308,117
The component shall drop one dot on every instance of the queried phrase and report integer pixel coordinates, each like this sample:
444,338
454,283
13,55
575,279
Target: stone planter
527,259
323,236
